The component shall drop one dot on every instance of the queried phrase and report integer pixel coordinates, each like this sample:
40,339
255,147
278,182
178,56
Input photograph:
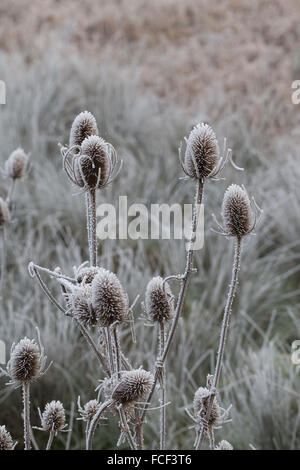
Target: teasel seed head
89,410
202,152
53,417
84,125
25,362
159,300
6,442
224,445
236,211
108,298
4,213
16,164
80,305
94,159
133,386
201,400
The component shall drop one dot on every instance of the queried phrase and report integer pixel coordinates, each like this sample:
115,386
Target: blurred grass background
149,72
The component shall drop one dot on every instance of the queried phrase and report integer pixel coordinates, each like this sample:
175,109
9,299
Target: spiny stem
94,423
50,440
184,285
126,429
162,391
109,348
117,350
92,344
92,222
26,404
224,332
3,259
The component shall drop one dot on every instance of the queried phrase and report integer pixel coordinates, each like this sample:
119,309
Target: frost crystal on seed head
134,385
224,445
108,298
236,211
4,213
158,300
15,165
83,126
202,152
6,442
25,361
80,305
53,417
93,161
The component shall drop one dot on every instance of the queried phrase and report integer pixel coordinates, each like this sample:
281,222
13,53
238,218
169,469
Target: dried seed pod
53,417
84,125
93,161
16,164
6,442
236,211
89,410
224,445
25,361
159,300
134,385
201,400
4,213
202,152
108,298
79,302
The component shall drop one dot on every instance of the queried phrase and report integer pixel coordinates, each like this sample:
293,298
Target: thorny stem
224,332
109,349
124,425
10,192
92,221
181,297
3,258
92,344
50,440
162,392
94,423
27,427
117,350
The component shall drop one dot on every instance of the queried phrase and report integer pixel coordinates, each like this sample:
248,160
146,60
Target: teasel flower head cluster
6,442
80,307
16,164
224,445
240,214
27,362
88,411
202,158
4,214
53,417
159,301
109,300
89,162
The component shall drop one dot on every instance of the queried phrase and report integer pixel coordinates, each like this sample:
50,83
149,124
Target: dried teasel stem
180,302
95,422
163,391
26,404
3,258
92,224
50,440
224,332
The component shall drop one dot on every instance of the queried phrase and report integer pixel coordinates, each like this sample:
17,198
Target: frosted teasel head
27,361
4,214
202,159
109,300
224,445
240,214
88,411
53,417
132,387
159,301
79,303
85,274
6,442
16,165
84,125
89,162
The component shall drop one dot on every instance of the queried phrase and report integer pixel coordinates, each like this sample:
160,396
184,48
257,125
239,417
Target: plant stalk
26,404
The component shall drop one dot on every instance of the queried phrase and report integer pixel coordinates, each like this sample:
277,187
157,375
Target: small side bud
6,442
224,445
89,410
201,400
16,164
91,169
